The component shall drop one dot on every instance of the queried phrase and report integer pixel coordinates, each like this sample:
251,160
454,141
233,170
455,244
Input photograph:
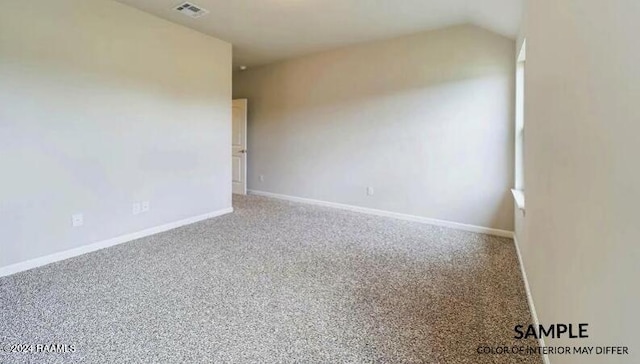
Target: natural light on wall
518,191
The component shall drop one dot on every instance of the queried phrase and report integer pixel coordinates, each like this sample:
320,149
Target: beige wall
102,105
426,120
581,236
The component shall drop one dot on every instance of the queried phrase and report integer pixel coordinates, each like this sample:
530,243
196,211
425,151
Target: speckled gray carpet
275,282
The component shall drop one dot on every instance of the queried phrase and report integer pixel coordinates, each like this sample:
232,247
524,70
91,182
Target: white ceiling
263,31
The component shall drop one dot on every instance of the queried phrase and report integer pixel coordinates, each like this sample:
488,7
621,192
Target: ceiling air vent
191,10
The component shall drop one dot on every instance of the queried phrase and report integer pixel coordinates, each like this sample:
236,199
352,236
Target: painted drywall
580,234
266,31
102,105
426,120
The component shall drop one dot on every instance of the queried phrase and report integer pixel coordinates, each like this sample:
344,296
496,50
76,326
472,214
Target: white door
239,147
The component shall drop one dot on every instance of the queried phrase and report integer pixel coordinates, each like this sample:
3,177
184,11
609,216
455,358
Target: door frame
244,103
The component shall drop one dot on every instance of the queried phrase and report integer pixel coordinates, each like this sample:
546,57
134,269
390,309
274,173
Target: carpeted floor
275,282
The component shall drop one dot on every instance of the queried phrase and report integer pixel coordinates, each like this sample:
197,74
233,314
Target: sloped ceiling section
264,31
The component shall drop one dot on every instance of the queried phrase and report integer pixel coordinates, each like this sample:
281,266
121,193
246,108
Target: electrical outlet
146,206
369,191
77,220
136,208
261,178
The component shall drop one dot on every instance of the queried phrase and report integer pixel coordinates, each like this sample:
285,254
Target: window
518,191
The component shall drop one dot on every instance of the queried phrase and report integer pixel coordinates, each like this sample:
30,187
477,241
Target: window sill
518,196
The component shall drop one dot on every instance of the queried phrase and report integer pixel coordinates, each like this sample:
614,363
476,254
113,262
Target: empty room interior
319,181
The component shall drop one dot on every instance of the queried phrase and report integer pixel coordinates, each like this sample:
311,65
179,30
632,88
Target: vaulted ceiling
264,31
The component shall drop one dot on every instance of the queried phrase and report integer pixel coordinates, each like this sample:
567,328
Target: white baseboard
395,215
37,262
532,306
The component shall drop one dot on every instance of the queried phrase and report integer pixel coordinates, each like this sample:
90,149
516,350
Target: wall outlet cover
77,220
136,208
146,206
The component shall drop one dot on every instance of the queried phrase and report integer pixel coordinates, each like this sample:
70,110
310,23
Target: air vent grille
191,10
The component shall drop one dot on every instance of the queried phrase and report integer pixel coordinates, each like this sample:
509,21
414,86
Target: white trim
518,196
395,215
522,54
55,257
532,307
